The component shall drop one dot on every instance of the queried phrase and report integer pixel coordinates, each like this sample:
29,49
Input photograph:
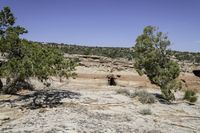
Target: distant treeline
117,52
112,52
187,56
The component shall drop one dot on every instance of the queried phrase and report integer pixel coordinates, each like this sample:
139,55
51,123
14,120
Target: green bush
193,99
190,96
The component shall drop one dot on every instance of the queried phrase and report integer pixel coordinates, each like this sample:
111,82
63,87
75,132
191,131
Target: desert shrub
193,99
190,96
123,91
144,97
152,59
145,112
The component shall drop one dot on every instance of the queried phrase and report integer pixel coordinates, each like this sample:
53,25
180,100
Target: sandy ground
101,109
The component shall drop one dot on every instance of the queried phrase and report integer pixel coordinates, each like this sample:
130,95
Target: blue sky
113,23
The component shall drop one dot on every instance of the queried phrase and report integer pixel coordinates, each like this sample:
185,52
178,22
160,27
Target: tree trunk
167,94
15,85
1,85
10,88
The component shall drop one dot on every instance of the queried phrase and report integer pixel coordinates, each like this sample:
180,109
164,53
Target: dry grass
145,112
123,91
144,97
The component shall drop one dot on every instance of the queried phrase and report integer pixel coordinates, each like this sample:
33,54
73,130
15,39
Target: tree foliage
152,59
24,59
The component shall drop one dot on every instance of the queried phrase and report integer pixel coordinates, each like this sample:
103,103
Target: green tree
24,59
152,59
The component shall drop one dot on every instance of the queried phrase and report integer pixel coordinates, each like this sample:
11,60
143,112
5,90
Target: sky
111,23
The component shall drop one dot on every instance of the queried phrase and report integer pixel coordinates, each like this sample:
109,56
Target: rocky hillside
97,70
104,97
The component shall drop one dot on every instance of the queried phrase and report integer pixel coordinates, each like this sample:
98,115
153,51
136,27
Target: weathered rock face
95,70
100,61
190,81
190,76
188,67
98,70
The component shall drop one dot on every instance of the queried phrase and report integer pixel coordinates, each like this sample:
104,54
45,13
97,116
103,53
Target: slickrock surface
99,109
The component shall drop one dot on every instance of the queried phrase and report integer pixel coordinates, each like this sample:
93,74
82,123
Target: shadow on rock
160,99
42,99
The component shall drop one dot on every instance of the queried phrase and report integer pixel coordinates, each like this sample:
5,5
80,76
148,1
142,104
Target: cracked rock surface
86,109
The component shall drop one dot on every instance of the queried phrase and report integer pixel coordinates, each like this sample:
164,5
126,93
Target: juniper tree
152,59
24,59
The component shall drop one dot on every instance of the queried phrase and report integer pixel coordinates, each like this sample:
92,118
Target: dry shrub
145,112
144,97
123,91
